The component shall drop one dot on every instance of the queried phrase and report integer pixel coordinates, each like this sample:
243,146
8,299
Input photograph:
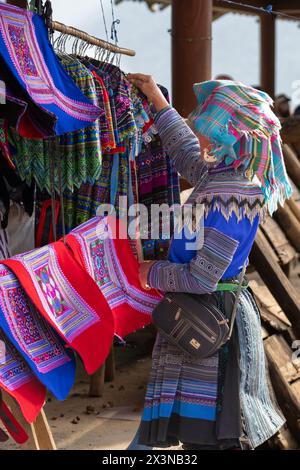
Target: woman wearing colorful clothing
236,167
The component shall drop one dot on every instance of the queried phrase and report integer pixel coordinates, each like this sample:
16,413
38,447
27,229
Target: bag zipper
198,319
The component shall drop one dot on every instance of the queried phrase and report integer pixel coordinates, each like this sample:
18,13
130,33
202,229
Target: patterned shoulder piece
34,338
111,263
230,192
68,298
28,54
18,381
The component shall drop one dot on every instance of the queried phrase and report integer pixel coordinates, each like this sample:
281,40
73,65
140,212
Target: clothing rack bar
61,28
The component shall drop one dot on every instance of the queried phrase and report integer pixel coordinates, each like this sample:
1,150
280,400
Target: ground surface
110,422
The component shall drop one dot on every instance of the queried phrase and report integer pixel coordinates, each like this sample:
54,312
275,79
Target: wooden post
110,369
97,382
295,207
289,224
191,50
292,164
40,435
265,261
267,57
288,400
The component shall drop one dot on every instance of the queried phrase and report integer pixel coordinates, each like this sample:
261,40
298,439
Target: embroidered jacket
232,209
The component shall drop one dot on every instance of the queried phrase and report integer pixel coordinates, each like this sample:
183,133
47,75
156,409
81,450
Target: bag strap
237,298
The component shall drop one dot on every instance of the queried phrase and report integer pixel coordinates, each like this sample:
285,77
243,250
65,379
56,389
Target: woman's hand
148,86
143,273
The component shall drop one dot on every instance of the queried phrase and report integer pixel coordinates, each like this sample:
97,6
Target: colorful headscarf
244,131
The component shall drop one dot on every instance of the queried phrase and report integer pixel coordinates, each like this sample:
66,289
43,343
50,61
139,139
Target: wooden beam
290,132
40,434
97,382
288,400
18,3
288,6
265,261
191,50
110,366
292,164
289,223
226,7
267,57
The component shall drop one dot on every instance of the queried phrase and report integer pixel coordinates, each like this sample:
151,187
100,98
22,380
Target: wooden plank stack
274,256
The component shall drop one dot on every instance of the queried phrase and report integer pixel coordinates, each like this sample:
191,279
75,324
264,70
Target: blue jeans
134,445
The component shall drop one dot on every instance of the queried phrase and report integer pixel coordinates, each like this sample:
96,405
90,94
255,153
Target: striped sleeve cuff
161,113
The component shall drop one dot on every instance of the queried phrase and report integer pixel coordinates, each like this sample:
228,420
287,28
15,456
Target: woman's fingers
139,76
143,273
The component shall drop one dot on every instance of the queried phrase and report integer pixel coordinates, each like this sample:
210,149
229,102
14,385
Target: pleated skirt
224,401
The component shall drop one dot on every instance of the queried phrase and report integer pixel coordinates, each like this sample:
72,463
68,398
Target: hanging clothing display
123,163
75,134
30,59
17,379
52,363
69,300
158,184
110,262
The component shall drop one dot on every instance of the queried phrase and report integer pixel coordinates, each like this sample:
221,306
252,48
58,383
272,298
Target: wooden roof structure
220,7
191,35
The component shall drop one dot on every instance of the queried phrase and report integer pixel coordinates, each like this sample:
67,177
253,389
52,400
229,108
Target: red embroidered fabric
100,249
18,381
69,299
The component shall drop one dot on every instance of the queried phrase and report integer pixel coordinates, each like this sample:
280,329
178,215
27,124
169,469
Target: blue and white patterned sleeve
202,274
182,146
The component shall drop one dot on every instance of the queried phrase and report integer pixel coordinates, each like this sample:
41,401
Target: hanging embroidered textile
52,363
17,380
29,56
77,156
23,114
108,141
158,181
69,299
158,184
120,88
111,263
79,206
